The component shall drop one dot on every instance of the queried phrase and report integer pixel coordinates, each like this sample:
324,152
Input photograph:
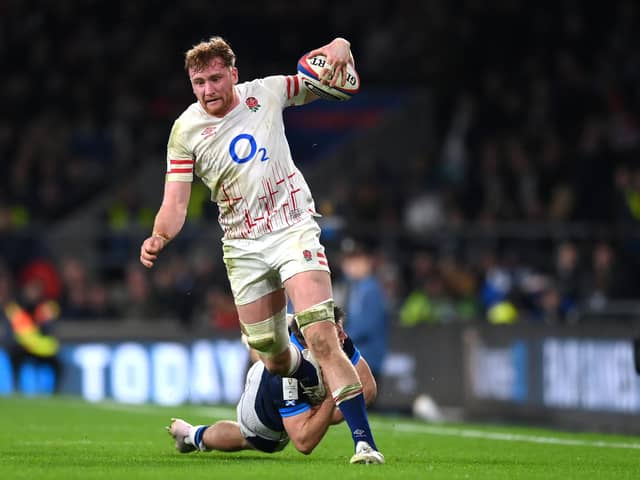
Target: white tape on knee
269,337
322,312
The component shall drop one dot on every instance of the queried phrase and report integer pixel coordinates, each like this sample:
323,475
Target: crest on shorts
253,104
308,256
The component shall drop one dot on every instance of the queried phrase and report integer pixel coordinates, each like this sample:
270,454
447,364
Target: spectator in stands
550,308
84,295
29,317
366,304
221,310
607,278
123,217
528,132
567,276
433,304
137,301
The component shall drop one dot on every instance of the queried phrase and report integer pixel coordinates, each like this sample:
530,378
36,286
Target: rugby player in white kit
233,138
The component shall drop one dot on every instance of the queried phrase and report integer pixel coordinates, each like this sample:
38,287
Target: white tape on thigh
269,337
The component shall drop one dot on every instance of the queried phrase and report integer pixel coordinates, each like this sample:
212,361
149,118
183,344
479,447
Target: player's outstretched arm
169,221
369,386
307,428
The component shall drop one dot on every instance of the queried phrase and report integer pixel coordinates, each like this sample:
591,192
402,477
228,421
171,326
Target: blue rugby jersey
271,405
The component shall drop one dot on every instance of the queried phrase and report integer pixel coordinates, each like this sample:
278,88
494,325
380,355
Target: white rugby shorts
257,267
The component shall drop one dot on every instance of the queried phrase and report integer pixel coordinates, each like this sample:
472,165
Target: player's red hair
200,55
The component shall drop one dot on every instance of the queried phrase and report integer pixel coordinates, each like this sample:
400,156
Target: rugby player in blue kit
274,410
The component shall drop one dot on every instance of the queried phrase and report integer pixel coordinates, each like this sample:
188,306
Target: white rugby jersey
244,158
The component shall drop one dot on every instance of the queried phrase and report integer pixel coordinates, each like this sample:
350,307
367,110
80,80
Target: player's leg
270,338
257,434
261,303
263,322
300,258
224,436
180,429
311,295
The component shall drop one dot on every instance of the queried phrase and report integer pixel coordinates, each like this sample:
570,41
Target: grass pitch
66,438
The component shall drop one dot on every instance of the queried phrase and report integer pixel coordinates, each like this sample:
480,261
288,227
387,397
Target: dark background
527,137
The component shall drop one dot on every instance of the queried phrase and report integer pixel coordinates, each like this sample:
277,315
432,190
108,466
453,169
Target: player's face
213,87
356,266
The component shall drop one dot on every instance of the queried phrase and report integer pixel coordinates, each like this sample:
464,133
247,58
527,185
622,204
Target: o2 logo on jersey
254,151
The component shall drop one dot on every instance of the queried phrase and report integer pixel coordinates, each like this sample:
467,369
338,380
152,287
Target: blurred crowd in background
525,207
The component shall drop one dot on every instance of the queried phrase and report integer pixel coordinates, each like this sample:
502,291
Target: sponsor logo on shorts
308,256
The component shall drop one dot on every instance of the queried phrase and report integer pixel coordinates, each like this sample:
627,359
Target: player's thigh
264,307
308,288
304,269
252,279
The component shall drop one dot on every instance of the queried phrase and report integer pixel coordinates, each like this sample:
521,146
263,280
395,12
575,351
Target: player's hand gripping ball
310,70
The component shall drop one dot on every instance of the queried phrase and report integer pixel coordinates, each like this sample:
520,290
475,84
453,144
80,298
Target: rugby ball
310,70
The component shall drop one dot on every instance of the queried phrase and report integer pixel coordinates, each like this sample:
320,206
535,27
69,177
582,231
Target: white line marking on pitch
222,412
216,412
71,443
507,437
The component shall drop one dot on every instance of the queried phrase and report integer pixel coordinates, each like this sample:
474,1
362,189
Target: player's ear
234,75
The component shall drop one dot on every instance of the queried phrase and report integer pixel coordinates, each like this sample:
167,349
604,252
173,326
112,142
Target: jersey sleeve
289,89
292,400
180,160
295,341
293,410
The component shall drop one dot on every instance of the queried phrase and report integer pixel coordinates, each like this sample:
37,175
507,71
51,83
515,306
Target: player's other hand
150,249
338,55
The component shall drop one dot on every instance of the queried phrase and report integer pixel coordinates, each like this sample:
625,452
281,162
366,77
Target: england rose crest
307,255
253,104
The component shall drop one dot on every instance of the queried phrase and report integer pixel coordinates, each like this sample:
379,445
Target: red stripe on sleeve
296,87
288,88
181,162
181,170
